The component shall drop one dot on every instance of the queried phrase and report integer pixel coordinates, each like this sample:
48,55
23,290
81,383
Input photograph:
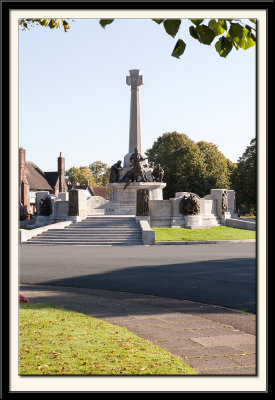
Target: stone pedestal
216,194
77,203
193,221
123,198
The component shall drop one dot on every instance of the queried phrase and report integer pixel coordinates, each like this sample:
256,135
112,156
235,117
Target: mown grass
214,233
55,341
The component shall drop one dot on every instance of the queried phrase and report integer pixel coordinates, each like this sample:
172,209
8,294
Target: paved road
220,274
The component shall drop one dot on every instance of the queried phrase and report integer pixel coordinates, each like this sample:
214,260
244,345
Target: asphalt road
219,274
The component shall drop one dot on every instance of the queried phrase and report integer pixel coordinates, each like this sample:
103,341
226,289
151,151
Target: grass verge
214,233
56,341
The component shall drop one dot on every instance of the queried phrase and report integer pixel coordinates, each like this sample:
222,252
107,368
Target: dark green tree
244,178
189,166
217,173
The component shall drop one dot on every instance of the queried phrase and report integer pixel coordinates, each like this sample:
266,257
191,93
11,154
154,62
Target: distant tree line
200,167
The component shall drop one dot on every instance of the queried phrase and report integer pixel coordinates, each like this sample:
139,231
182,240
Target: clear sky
73,96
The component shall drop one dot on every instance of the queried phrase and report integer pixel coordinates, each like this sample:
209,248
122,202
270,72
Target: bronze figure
45,206
142,202
138,173
224,202
158,173
114,172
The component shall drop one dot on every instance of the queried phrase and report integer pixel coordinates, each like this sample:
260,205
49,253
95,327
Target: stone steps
93,231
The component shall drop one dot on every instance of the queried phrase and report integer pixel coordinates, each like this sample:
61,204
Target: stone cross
135,80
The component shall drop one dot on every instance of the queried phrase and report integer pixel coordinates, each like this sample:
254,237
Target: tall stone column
134,80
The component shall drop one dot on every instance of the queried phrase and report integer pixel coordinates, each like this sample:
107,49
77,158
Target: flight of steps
94,231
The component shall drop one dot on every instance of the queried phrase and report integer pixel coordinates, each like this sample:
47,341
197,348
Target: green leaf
223,46
52,23
236,32
247,40
65,25
242,37
158,21
197,21
252,20
223,23
104,22
179,48
217,27
172,26
193,32
206,35
251,32
44,22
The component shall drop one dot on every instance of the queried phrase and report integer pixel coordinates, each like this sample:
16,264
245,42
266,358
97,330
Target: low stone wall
240,224
160,213
25,234
148,235
166,214
26,222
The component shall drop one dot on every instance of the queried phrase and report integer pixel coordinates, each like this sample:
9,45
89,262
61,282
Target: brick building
32,179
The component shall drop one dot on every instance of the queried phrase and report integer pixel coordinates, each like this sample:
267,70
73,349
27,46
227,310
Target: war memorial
136,191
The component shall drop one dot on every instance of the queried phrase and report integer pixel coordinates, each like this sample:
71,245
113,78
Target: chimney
61,173
22,164
24,200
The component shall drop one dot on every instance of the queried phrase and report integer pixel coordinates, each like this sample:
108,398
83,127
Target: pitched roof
101,191
36,177
95,190
52,178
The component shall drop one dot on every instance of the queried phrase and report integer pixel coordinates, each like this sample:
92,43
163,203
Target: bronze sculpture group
189,205
137,172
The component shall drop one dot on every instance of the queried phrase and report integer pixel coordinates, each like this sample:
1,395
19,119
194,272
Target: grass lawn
214,233
55,341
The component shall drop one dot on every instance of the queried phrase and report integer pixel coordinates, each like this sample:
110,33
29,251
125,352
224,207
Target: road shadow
227,283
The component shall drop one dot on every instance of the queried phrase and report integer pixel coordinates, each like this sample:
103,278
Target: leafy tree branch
229,32
234,33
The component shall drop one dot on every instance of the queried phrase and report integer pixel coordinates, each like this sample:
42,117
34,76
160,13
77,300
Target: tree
101,172
80,175
217,174
189,166
232,33
244,178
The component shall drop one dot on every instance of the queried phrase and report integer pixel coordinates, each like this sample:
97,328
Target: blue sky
73,96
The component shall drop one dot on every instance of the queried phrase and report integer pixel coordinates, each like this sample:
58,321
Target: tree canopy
80,175
244,178
189,166
230,33
101,172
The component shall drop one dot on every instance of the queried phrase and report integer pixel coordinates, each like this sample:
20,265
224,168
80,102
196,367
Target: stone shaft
135,80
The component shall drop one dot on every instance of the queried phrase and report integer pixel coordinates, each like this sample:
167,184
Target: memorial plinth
123,200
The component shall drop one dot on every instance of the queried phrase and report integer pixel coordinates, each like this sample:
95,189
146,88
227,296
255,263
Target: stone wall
166,213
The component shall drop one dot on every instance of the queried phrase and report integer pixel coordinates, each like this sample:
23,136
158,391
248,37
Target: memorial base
123,197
